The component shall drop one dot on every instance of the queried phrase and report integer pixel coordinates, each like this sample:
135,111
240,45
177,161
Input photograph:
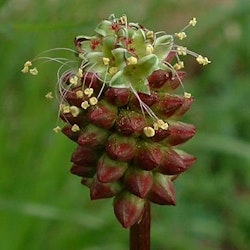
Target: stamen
113,70
179,65
149,132
79,94
57,129
73,80
49,96
85,105
74,111
181,35
89,92
79,73
202,60
93,101
105,61
181,50
187,95
75,128
193,22
34,71
149,49
150,35
65,109
132,60
26,67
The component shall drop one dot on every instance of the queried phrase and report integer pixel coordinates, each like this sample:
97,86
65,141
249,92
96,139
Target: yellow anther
187,95
105,60
79,94
150,34
149,131
79,73
74,111
113,70
89,92
75,128
202,60
179,65
65,109
149,49
93,101
181,50
163,125
34,71
193,22
132,60
181,35
26,67
156,126
57,129
73,80
123,20
28,64
49,96
85,105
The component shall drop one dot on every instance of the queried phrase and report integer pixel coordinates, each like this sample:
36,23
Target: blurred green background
42,206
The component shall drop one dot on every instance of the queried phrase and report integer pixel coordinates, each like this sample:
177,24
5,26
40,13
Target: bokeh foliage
42,206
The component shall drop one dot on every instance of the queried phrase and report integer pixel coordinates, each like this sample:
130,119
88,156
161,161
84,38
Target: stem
140,232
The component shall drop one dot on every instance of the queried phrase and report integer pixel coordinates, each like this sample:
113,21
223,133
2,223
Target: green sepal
104,28
163,45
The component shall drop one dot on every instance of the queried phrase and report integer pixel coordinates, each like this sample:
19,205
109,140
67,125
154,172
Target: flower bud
100,190
138,181
162,191
128,208
121,148
109,170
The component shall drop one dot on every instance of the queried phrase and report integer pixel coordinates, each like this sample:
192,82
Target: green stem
140,232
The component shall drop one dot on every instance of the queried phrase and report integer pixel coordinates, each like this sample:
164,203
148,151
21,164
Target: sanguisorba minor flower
120,107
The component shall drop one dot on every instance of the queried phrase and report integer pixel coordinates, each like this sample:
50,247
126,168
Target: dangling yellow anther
75,128
65,109
181,50
193,22
85,105
73,80
187,95
79,73
89,92
79,94
74,111
149,49
124,20
105,60
93,101
163,125
149,131
202,60
179,65
181,35
49,96
132,60
34,71
57,129
113,70
150,34
26,67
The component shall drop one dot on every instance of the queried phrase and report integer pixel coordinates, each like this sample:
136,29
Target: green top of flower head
124,54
